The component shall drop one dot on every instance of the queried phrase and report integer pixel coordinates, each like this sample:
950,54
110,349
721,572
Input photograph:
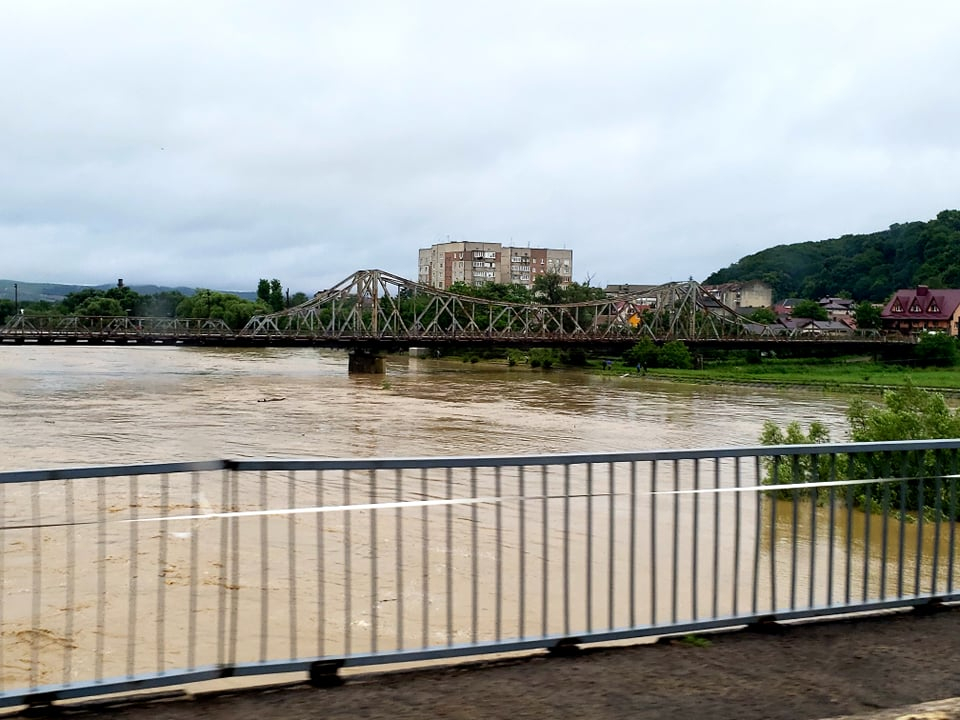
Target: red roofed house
911,311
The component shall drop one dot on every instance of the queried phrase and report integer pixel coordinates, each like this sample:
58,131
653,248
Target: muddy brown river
119,598
63,406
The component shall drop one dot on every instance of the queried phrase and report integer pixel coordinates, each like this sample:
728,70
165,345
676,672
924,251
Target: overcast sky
211,143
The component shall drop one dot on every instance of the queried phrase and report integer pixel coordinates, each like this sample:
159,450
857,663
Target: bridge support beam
365,363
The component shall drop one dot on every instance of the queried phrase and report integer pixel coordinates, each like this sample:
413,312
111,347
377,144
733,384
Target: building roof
922,303
836,303
628,289
789,302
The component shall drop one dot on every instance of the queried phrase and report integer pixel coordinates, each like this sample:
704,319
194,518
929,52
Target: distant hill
867,267
52,292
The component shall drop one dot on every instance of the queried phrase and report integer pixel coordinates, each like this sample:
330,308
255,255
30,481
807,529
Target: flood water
104,598
66,406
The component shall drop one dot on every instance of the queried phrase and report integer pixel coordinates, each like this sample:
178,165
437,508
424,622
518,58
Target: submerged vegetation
927,479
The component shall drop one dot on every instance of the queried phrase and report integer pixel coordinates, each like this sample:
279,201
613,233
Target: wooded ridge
863,267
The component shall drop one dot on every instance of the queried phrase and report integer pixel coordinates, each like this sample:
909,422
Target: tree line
867,267
123,301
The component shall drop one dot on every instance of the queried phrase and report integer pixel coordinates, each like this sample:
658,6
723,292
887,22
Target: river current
76,405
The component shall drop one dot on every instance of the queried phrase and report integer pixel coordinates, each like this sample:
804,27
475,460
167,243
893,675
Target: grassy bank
839,373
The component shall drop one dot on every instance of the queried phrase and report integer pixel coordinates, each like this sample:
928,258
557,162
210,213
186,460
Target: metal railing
120,578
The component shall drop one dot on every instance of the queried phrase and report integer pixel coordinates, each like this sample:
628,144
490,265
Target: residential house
785,307
743,296
838,308
922,309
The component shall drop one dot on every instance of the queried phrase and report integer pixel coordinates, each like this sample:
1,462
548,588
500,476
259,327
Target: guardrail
127,577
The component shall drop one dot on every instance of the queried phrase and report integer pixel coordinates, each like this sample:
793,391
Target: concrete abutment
366,363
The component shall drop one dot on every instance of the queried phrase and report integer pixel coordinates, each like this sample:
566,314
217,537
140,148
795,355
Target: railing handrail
477,461
313,564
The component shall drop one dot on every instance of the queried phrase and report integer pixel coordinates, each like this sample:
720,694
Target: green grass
820,373
695,641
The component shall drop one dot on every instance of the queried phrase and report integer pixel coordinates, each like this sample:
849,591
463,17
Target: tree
276,295
763,315
675,354
644,354
909,413
298,298
937,349
867,316
809,309
263,291
163,304
547,288
796,468
232,309
101,306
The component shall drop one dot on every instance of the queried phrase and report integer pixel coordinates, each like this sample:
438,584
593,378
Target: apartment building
477,263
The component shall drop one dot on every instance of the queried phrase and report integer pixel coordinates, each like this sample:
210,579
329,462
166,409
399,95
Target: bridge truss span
373,305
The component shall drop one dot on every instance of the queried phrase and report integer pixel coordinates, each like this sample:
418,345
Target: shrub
675,354
644,353
937,349
908,413
543,357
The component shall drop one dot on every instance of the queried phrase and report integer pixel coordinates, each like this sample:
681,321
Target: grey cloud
216,143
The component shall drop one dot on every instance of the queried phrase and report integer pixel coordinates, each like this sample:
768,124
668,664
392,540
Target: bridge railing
81,327
125,577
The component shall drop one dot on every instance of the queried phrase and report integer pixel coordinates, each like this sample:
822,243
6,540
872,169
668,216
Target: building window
897,307
915,307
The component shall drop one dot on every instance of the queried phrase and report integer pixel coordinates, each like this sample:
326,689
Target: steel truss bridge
376,310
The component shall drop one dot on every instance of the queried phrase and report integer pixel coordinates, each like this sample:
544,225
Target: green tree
276,295
791,469
763,315
548,289
644,354
70,303
263,291
161,304
7,309
937,349
867,316
908,413
101,306
809,309
128,298
675,354
298,298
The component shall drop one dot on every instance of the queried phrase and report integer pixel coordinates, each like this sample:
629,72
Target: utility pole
16,298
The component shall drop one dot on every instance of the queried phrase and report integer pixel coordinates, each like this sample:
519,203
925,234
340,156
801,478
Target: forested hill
867,267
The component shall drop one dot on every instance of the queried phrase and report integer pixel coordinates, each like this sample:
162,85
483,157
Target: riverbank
843,374
805,671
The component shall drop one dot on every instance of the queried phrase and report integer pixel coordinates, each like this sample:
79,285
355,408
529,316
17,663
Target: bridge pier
365,363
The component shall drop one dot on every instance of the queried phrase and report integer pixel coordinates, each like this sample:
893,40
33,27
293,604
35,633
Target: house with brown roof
923,308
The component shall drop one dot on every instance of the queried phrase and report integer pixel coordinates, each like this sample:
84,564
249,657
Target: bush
543,357
515,357
644,353
937,349
908,413
793,469
675,354
575,357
